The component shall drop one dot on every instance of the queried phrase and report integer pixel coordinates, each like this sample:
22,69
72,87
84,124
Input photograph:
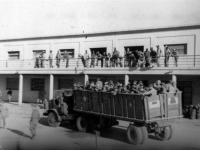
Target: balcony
187,64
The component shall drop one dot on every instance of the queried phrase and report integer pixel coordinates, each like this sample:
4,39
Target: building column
86,78
20,89
126,79
174,78
51,85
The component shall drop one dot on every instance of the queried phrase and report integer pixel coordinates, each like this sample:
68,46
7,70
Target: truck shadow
114,133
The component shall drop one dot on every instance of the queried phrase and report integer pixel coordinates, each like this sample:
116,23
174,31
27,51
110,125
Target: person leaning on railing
141,60
153,55
107,59
175,55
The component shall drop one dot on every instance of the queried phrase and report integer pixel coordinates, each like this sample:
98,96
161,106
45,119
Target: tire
163,134
144,134
52,120
82,124
171,132
134,135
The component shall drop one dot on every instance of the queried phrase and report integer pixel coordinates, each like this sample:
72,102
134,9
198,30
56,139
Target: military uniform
175,55
115,56
4,113
66,57
35,117
93,56
37,62
167,55
158,55
58,57
141,61
50,59
147,58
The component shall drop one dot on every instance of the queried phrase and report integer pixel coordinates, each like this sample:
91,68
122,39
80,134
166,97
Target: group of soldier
40,59
131,59
137,87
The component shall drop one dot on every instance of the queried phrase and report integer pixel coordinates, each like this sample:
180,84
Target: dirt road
65,137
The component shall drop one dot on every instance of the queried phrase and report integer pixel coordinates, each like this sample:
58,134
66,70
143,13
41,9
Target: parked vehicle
91,109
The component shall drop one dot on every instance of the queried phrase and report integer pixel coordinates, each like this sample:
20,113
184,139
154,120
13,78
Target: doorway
133,49
100,49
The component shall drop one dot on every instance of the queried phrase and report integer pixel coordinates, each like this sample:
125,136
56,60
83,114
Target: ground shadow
115,133
43,121
19,133
69,125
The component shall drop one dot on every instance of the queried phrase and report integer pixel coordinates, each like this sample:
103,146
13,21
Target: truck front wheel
82,124
52,120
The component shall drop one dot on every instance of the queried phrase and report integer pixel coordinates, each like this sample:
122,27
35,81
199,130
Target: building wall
80,44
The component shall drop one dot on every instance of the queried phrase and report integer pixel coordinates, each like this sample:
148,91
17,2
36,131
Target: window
13,55
181,48
70,51
12,83
38,52
101,50
65,83
37,84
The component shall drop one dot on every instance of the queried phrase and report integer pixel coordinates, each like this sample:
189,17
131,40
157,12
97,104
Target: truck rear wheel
52,120
144,134
163,133
134,135
82,124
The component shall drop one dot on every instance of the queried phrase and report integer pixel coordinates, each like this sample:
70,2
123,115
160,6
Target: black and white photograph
99,74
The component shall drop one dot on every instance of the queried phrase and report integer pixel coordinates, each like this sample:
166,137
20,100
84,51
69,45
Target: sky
38,18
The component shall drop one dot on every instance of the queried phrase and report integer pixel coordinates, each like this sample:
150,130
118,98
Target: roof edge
184,27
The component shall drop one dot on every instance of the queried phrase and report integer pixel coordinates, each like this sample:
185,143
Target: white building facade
17,60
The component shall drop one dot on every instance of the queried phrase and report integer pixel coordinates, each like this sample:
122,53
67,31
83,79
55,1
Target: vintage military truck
91,109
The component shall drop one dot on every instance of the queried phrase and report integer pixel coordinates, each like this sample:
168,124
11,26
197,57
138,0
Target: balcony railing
183,61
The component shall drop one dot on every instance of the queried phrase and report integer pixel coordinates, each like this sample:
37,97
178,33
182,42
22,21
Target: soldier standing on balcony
42,59
175,55
115,56
58,57
147,58
98,55
50,59
37,61
153,55
158,55
93,56
66,57
167,55
86,58
103,58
